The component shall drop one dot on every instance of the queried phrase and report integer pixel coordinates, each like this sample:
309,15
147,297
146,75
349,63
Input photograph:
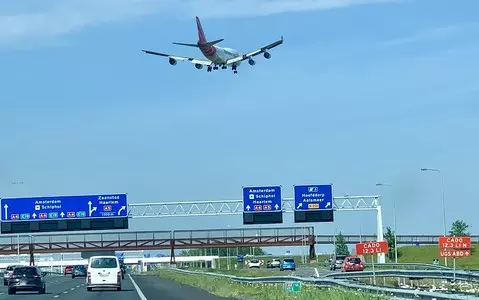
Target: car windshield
275,260
103,262
79,267
288,260
25,271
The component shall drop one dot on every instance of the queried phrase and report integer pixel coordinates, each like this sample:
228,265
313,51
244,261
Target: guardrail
326,282
410,265
430,274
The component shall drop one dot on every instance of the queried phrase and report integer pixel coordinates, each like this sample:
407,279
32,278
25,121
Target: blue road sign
64,207
313,197
262,199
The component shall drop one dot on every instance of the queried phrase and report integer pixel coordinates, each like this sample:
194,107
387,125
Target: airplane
216,56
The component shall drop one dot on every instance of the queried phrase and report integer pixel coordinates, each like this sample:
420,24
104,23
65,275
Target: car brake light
36,276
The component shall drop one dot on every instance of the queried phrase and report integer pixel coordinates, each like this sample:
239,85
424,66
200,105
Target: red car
68,270
353,263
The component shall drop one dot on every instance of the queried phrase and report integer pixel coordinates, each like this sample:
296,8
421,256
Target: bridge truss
235,207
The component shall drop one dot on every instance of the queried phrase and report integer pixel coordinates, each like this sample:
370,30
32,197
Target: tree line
458,228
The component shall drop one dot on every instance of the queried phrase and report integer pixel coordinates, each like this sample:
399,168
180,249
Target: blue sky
360,92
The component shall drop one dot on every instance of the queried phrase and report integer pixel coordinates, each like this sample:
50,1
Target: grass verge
227,288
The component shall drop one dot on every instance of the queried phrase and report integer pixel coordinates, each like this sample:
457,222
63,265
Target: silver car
8,272
336,262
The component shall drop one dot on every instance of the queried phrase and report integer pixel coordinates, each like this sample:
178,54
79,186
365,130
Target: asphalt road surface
151,287
64,287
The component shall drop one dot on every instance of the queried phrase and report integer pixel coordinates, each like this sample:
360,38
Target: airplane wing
255,52
182,58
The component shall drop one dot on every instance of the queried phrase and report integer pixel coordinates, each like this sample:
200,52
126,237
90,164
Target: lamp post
395,224
443,202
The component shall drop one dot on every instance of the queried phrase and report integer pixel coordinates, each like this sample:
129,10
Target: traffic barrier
429,274
409,265
337,283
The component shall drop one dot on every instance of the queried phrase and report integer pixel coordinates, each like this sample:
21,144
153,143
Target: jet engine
251,62
199,66
172,61
267,55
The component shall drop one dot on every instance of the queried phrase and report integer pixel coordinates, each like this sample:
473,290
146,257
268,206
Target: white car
276,263
254,263
103,272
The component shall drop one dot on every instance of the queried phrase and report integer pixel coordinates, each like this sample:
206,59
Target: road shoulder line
137,288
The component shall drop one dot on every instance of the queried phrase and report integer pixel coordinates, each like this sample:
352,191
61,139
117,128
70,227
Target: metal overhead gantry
235,207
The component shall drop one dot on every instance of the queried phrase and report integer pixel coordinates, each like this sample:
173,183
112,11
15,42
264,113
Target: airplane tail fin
202,42
201,33
207,44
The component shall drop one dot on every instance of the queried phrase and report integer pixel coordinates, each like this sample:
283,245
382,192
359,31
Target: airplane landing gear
234,69
224,67
215,67
209,69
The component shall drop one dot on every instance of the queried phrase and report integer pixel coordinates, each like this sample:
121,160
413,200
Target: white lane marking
72,289
65,292
56,296
78,286
137,288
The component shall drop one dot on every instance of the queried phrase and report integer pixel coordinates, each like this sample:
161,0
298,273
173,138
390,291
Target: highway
64,287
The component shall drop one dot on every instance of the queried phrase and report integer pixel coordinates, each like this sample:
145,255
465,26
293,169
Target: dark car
79,271
26,279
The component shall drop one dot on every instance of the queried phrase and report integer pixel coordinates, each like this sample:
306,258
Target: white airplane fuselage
220,55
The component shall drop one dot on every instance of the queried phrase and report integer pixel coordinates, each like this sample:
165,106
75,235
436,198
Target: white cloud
30,19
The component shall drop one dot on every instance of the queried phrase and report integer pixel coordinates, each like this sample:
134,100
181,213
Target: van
103,272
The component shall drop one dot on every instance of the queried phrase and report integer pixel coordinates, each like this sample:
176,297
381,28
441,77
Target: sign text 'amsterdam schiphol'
262,199
313,197
64,207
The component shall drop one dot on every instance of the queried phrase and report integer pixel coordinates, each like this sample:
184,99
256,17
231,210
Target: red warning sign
42,215
107,208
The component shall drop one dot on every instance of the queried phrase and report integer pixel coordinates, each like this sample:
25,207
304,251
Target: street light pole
395,224
443,202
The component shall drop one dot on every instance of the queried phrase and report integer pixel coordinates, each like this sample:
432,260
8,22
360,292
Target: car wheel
118,288
88,289
42,290
73,276
12,291
5,282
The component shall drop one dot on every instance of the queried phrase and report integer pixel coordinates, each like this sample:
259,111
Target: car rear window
25,271
254,261
9,268
103,263
355,260
288,260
